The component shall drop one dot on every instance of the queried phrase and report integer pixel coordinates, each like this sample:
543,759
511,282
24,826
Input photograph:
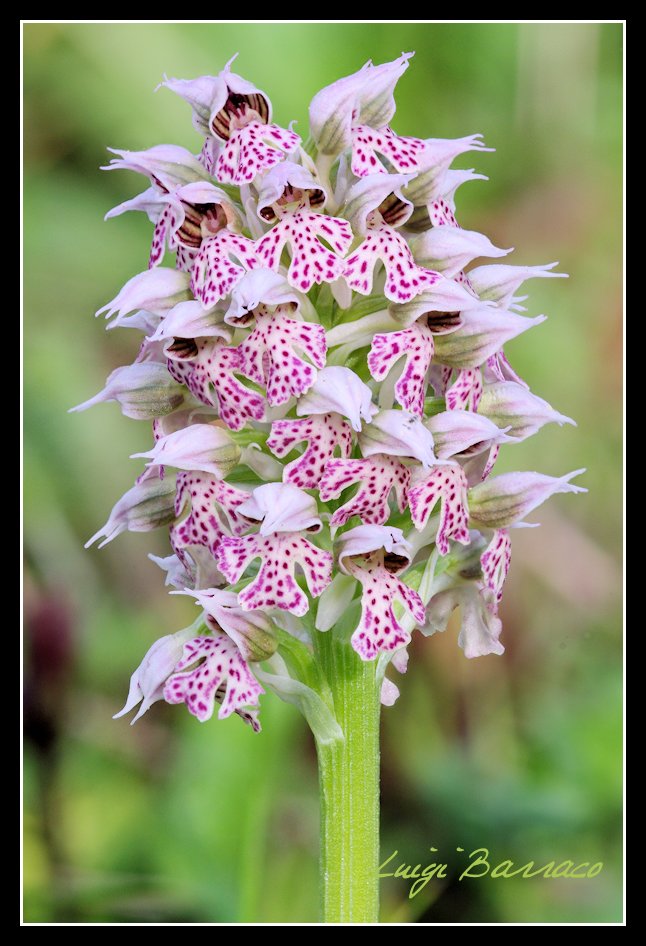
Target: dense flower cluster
328,391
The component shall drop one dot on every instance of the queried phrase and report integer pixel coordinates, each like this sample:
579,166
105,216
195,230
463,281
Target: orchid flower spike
324,371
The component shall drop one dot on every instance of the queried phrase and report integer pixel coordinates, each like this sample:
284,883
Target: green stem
349,787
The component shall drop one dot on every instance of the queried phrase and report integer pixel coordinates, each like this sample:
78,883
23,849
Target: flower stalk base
349,788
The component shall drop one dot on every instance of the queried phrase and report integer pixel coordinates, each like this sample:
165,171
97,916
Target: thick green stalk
349,787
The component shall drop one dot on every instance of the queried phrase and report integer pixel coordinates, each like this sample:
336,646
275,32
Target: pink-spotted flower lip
363,98
498,282
460,432
252,631
377,477
271,354
375,555
259,287
339,390
167,166
154,290
148,681
504,500
400,434
219,102
282,507
362,540
324,434
415,344
524,413
404,278
377,193
275,585
191,320
480,627
200,447
445,483
450,249
211,670
309,236
288,186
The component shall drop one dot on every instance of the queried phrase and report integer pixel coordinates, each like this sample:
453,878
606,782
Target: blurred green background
171,821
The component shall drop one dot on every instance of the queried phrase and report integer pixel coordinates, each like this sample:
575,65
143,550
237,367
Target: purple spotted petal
416,344
377,477
251,149
441,214
446,484
312,262
378,629
404,278
368,143
221,664
169,221
466,391
213,512
323,434
495,562
268,355
214,273
275,585
212,372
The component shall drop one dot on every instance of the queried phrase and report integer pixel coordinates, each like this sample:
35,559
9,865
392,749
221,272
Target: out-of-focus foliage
172,821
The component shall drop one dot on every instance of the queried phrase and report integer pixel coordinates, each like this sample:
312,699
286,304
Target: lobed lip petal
446,484
324,433
404,278
416,345
377,477
275,586
379,630
270,355
311,260
221,664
